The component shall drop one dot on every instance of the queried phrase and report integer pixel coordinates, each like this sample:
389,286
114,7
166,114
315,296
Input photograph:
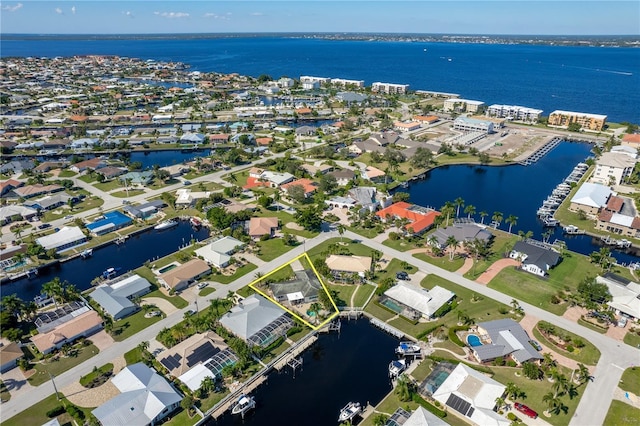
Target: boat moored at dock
166,224
396,367
243,404
408,348
349,411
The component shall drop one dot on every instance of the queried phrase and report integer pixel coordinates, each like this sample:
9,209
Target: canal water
132,254
512,190
337,369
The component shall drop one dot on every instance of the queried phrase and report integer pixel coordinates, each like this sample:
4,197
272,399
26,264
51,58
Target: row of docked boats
622,243
559,193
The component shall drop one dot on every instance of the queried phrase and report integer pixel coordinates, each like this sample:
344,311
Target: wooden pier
295,352
541,152
386,327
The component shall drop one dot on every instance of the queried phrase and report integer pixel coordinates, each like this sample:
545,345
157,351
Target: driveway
15,382
102,340
164,305
494,269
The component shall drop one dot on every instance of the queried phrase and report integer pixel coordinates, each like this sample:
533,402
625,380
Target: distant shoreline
550,40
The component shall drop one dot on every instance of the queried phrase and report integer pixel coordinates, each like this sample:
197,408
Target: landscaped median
566,343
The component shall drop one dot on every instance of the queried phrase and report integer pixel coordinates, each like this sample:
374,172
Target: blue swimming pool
473,340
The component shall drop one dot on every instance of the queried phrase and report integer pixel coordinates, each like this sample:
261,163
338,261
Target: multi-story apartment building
389,88
585,120
344,83
613,168
309,82
462,105
467,124
514,112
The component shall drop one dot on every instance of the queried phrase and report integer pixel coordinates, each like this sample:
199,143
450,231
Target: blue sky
571,17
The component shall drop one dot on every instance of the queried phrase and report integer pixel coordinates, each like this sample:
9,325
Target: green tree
400,196
297,193
554,403
511,220
404,388
309,218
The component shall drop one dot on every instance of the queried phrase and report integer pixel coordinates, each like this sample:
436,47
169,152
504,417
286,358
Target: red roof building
308,185
421,218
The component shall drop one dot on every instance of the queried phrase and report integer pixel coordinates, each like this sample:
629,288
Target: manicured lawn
181,418
36,414
392,267
378,312
501,243
448,344
66,174
399,244
206,291
622,414
630,380
88,204
442,261
592,326
588,355
632,339
476,306
408,327
344,293
566,275
87,178
226,279
127,327
133,356
109,185
158,184
125,194
86,380
284,218
61,365
175,300
362,295
365,232
535,390
210,401
422,370
272,248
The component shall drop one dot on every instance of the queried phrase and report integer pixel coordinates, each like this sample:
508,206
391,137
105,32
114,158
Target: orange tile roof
632,138
79,118
259,226
304,110
615,204
308,185
253,182
427,118
264,141
69,330
419,221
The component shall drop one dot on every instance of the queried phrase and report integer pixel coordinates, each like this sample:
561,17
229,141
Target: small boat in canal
86,253
349,411
243,404
195,222
166,224
396,367
110,273
408,348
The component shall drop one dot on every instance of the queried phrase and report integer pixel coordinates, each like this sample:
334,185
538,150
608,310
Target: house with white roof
219,252
625,294
145,398
115,298
420,301
66,238
590,198
420,417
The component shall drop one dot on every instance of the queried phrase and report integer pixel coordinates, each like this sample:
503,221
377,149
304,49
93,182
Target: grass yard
399,244
181,418
226,279
109,185
88,203
126,194
36,414
632,339
344,293
535,389
206,291
422,370
61,365
133,356
87,178
588,355
4,393
448,344
87,379
379,312
392,268
284,218
622,414
175,300
476,306
365,232
566,275
442,261
362,295
356,248
502,243
66,174
408,327
127,327
272,248
630,380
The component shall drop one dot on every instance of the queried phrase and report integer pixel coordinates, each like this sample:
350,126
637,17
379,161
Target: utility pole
54,385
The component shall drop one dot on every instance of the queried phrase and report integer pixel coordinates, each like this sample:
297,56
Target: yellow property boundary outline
254,285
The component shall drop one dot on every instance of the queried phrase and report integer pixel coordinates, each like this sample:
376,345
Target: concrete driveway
162,304
15,382
102,340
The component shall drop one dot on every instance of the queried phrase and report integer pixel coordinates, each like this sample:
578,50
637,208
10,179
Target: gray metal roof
250,316
511,337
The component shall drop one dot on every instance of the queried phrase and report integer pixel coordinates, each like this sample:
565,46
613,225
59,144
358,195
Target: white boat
243,404
166,224
86,253
396,367
110,273
408,348
349,411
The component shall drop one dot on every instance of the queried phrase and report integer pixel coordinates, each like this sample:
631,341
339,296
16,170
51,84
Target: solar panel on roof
460,405
170,363
202,353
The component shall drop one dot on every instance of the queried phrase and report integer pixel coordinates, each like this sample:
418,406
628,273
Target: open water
588,79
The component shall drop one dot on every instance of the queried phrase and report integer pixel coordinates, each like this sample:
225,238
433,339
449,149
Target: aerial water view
312,212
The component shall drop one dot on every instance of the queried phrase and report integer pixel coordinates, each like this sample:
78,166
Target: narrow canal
337,369
132,254
512,190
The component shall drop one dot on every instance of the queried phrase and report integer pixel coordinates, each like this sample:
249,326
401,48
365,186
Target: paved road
593,406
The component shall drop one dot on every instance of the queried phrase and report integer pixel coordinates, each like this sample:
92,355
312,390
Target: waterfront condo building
467,124
462,105
344,83
613,168
585,120
514,112
310,82
389,88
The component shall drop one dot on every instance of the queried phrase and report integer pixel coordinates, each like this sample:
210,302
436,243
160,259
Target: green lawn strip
535,390
61,365
109,185
272,248
126,194
159,184
86,380
127,327
206,291
630,380
399,244
388,405
66,174
356,248
344,293
211,400
87,178
378,311
246,291
588,355
408,327
36,414
364,291
591,326
448,344
365,232
632,339
442,261
5,395
226,279
180,417
88,204
480,310
392,268
300,334
422,370
622,414
175,300
133,356
502,243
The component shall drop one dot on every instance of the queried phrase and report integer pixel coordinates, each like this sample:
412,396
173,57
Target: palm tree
500,402
482,216
513,391
340,228
470,210
561,383
554,404
315,308
584,375
404,388
511,220
497,218
276,199
54,289
447,210
453,244
143,346
459,202
548,362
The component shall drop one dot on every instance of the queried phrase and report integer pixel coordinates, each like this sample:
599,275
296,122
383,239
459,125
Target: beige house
348,264
184,275
259,226
82,325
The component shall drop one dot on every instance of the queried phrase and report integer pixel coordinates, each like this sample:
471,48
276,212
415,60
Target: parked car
535,345
186,182
44,226
68,217
622,322
402,275
202,285
525,410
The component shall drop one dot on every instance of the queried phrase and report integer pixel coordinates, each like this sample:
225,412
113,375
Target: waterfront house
65,239
145,398
590,198
64,325
420,218
625,294
339,265
30,191
111,221
218,253
261,226
344,176
501,339
92,163
186,198
115,298
304,288
420,417
257,321
192,138
212,367
192,351
9,355
182,276
144,211
631,140
473,395
462,232
111,172
416,302
534,258
375,175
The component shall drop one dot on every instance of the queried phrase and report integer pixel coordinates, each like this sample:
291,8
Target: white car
202,285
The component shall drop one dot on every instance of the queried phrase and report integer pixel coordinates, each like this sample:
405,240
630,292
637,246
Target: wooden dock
386,327
297,350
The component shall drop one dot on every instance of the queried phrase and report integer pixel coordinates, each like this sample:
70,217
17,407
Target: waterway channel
337,369
512,190
132,254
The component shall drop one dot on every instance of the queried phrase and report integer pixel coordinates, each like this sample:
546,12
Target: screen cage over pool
271,332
